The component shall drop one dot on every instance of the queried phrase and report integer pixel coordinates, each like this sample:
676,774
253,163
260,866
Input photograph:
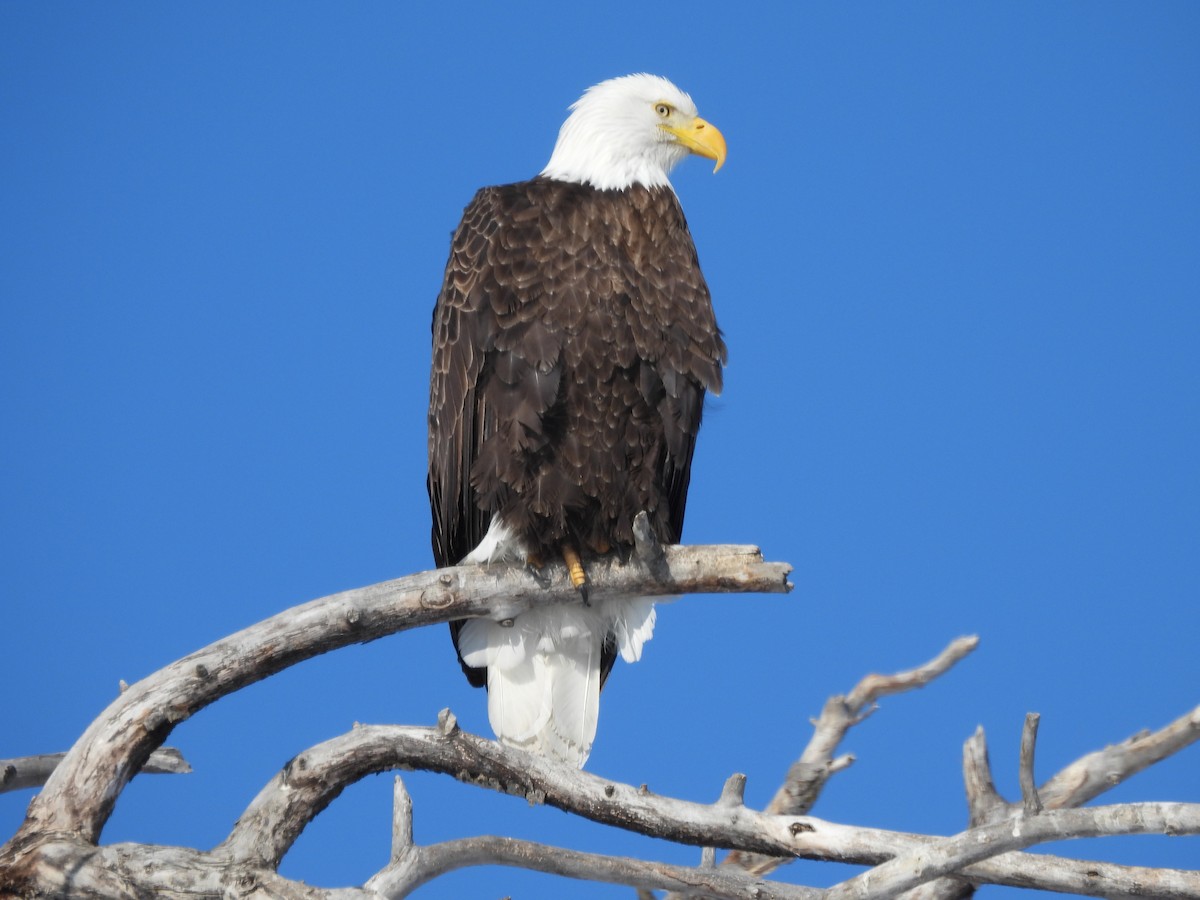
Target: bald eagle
573,343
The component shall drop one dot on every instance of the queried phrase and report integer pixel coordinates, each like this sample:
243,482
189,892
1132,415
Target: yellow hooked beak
701,138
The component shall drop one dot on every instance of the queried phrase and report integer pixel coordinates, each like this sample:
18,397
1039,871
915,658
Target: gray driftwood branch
309,782
32,771
79,795
809,774
265,831
1082,780
56,852
412,866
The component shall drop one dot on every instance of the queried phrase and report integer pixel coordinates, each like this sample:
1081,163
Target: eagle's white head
631,130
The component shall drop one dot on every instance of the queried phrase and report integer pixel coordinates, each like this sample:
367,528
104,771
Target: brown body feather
573,342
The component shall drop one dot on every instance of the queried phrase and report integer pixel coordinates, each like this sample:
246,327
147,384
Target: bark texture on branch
56,854
79,796
1078,782
33,771
266,829
80,793
1081,781
809,774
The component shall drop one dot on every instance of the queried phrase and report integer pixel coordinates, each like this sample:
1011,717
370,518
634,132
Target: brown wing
495,373
458,360
497,365
676,332
573,341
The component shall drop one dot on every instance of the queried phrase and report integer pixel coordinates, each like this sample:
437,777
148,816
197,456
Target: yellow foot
575,570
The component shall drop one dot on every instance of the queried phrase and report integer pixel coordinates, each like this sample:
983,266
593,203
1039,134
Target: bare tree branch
1077,783
817,764
809,774
278,813
32,771
398,880
984,803
65,867
307,784
983,843
55,854
313,778
1029,793
402,821
80,794
1092,775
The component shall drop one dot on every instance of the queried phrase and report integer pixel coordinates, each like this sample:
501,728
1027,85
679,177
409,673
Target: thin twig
808,775
32,771
984,803
1029,794
402,821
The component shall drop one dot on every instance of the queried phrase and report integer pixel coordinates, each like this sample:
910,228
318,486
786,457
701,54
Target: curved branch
80,794
1092,775
263,834
1077,783
54,849
315,777
126,871
808,775
307,784
401,878
951,855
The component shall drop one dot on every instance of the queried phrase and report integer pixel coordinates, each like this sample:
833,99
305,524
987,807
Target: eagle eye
663,109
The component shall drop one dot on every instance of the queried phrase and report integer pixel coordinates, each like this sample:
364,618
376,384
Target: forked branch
55,853
80,794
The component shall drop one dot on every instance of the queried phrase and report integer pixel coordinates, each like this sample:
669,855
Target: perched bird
573,342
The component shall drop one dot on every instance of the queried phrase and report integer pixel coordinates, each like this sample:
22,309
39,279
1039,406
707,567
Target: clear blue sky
956,254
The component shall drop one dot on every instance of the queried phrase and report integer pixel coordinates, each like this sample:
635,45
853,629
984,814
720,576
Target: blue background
956,254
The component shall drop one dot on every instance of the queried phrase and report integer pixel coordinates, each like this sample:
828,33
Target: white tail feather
633,624
544,671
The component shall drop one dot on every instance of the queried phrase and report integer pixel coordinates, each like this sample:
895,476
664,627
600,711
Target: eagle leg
575,570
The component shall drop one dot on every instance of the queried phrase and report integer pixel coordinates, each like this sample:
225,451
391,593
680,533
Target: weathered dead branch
55,852
809,774
32,771
310,781
1086,778
80,793
79,796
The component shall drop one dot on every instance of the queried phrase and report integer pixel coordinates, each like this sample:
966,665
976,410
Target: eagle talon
575,570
